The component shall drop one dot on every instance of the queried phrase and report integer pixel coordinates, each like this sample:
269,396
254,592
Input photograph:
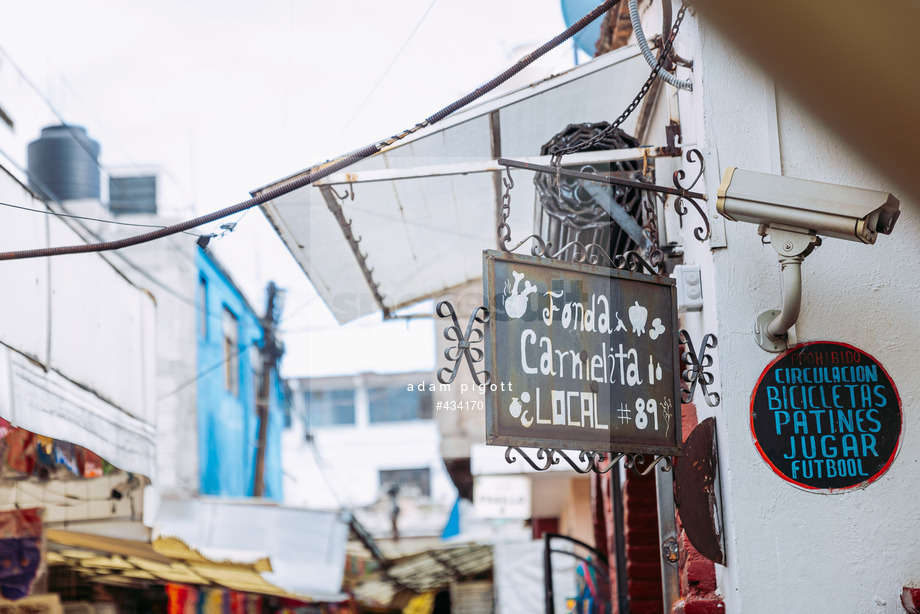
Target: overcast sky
228,96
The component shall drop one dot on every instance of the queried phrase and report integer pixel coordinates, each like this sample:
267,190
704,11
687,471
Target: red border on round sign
806,487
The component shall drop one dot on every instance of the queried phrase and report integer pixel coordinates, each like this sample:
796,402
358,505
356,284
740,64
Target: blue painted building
229,338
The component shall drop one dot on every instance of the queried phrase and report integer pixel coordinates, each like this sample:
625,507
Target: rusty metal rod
537,168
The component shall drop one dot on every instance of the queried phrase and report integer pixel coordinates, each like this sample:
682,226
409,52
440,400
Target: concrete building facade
370,444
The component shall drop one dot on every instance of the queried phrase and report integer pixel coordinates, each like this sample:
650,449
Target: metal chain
662,58
504,229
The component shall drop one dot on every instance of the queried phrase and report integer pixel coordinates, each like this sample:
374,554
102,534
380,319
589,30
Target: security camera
792,212
826,209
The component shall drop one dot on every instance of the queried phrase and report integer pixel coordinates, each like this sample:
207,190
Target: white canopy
425,208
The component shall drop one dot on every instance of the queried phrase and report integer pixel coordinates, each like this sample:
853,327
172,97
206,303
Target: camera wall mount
792,213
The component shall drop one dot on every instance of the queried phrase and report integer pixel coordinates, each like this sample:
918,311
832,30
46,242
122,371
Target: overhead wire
388,68
139,269
80,217
49,197
324,471
205,372
321,171
78,139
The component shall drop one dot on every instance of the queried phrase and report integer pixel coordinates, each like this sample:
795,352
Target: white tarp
518,575
45,402
306,548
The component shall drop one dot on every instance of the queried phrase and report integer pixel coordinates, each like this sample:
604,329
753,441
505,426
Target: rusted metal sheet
582,357
696,492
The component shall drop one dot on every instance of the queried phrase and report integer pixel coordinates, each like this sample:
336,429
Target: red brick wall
604,534
643,558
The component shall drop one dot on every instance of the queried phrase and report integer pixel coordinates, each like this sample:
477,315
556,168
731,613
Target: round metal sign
826,416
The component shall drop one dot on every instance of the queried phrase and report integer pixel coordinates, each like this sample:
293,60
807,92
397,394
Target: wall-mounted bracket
792,245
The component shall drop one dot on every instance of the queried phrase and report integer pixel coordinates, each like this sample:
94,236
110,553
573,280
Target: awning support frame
331,196
683,194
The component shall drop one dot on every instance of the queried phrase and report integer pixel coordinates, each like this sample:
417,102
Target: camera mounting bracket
792,245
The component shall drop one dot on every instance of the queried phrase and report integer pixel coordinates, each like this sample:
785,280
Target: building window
231,327
326,407
395,404
410,482
203,307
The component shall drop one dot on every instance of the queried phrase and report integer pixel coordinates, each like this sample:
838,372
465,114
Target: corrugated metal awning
426,572
411,222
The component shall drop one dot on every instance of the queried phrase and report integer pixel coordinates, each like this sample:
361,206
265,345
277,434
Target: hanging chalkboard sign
826,416
582,357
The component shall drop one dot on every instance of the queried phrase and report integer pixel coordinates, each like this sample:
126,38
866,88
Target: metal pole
548,575
667,536
270,353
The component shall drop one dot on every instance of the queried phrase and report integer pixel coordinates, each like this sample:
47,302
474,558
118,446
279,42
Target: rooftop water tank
63,164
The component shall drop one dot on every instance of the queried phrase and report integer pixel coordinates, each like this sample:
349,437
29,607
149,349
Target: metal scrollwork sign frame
588,461
464,344
695,371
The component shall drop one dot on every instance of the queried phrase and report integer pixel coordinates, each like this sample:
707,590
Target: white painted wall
76,341
167,267
789,550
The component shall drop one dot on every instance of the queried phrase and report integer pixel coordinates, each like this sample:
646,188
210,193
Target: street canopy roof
412,221
126,562
305,548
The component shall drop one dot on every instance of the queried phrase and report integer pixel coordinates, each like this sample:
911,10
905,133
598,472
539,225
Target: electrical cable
46,191
557,151
81,217
324,471
207,371
681,84
121,255
323,170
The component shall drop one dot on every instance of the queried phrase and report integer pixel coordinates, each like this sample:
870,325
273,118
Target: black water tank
63,164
